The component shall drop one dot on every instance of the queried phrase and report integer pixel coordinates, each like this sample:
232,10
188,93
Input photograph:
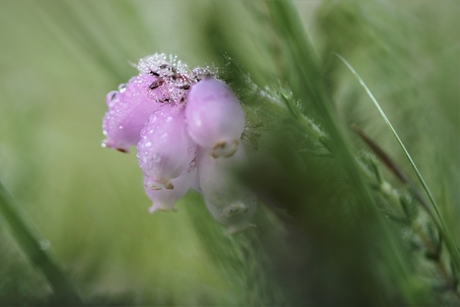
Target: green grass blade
451,245
36,249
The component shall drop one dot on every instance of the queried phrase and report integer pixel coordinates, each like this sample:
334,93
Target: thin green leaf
451,245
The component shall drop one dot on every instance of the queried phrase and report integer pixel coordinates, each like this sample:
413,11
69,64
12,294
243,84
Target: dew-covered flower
159,82
230,202
129,109
187,125
165,150
215,119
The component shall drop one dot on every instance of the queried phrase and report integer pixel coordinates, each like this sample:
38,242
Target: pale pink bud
215,119
129,110
164,199
165,150
231,203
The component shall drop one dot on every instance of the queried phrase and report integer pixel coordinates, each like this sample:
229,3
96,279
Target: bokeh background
60,58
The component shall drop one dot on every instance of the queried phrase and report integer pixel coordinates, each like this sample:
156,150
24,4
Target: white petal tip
225,148
161,184
155,208
239,228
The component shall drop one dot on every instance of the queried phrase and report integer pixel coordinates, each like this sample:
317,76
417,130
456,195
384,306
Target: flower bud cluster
187,126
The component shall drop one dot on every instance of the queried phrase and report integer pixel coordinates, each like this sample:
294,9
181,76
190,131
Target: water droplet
44,244
111,98
122,88
148,144
120,127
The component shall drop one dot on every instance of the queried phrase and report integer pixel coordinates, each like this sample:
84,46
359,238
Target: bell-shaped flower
164,199
129,110
165,150
228,200
215,119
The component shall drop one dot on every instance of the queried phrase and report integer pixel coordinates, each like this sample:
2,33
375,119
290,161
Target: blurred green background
60,58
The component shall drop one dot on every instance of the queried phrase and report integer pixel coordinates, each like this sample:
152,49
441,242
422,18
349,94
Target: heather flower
164,199
129,109
230,203
165,150
173,113
215,119
160,81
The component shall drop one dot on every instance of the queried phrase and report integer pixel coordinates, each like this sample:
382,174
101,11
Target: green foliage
335,225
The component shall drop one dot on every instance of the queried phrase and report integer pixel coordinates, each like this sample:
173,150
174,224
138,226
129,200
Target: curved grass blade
36,250
451,245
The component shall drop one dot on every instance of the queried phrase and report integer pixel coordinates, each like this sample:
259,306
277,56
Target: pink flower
229,202
129,110
173,113
164,199
215,119
165,150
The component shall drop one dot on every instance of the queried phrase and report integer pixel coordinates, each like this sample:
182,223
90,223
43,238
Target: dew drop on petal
110,99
